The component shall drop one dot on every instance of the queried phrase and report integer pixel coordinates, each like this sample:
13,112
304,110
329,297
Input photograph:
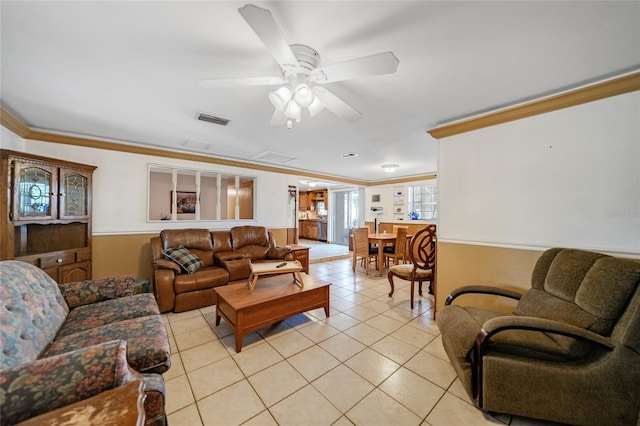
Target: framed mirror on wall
199,195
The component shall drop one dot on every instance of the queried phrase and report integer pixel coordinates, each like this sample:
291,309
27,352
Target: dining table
381,238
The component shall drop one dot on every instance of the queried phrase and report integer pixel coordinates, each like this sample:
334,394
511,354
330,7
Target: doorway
344,212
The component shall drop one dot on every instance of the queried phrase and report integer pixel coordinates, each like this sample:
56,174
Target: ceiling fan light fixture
316,107
390,168
292,110
303,95
280,98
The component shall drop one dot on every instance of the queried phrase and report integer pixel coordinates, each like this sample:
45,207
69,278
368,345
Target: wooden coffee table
273,300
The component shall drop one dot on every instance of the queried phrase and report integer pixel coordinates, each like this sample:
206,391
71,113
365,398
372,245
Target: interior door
344,212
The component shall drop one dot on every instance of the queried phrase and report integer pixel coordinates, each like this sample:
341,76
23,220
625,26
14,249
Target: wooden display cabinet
46,214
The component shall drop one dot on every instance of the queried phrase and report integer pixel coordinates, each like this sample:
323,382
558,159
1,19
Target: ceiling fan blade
337,105
241,81
381,63
278,118
267,29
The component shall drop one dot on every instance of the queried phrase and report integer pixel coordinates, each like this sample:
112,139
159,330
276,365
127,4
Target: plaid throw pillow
188,261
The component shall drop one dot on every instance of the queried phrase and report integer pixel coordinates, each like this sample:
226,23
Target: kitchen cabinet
309,229
308,200
46,214
304,201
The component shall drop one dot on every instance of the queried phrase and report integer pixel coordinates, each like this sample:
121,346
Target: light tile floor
374,361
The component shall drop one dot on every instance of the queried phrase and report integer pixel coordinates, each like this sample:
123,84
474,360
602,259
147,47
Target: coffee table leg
238,342
326,305
217,314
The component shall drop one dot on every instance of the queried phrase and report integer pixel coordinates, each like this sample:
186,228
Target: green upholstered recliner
570,351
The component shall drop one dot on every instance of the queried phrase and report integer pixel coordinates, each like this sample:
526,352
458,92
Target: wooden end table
121,406
301,254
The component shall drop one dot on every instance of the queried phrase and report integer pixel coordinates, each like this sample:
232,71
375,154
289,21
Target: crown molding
22,130
16,126
613,87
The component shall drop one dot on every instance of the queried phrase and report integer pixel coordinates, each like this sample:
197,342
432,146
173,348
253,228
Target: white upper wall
120,185
568,178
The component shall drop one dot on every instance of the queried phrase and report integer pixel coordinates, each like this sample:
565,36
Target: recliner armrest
46,384
482,289
517,322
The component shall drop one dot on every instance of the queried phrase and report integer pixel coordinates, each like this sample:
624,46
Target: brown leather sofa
227,256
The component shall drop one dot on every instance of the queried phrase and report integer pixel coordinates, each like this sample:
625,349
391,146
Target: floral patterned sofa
64,343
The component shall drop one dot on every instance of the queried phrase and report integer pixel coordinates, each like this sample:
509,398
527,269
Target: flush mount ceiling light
302,76
390,168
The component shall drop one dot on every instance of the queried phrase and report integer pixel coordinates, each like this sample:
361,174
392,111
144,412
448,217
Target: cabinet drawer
57,259
83,254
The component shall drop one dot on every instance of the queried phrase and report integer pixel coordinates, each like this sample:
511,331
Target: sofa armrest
166,264
229,255
91,291
278,252
46,384
238,269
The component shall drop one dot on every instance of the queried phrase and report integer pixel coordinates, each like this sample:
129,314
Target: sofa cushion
32,310
212,276
147,343
221,241
188,261
573,289
107,312
242,236
197,241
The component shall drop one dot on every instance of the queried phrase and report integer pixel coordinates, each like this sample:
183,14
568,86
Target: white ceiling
128,71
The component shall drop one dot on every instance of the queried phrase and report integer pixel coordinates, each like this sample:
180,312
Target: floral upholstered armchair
63,344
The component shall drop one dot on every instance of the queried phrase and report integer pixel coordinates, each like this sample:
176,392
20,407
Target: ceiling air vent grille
274,157
213,119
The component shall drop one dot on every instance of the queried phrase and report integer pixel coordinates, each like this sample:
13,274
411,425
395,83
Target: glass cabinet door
74,194
36,193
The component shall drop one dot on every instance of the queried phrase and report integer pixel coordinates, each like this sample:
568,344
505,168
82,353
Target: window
182,194
423,201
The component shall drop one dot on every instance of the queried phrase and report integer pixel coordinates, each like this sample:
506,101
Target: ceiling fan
302,76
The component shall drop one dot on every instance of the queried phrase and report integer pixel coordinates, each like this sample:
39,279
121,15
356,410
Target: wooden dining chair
361,249
396,252
422,252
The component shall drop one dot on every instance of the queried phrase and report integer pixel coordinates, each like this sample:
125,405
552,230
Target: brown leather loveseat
226,257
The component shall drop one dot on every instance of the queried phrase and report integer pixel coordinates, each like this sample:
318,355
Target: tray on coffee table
292,267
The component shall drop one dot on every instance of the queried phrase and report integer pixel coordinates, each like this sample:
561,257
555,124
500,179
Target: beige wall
466,264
